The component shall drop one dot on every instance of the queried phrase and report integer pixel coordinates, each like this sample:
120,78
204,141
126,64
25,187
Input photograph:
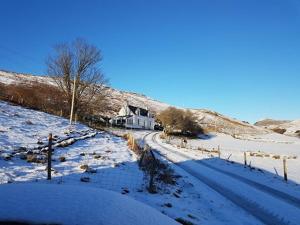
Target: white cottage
134,117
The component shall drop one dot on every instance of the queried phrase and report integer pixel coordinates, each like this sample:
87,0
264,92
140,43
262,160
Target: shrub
35,95
84,167
279,130
179,121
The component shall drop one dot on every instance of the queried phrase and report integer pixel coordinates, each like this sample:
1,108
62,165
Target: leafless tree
81,61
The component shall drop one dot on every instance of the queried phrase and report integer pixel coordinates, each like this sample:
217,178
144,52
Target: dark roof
123,116
132,108
143,112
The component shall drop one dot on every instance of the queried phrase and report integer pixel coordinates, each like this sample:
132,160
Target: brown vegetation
157,171
179,121
49,99
35,95
279,130
79,61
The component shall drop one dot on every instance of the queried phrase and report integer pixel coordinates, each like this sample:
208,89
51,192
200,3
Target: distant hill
270,122
287,127
209,120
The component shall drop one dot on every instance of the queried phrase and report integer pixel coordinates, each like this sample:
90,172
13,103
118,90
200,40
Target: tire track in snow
248,205
276,193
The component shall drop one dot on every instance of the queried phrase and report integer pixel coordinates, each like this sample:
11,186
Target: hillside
288,127
209,120
81,170
270,122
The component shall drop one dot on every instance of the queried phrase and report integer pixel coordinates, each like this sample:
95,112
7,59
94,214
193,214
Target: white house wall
141,122
125,111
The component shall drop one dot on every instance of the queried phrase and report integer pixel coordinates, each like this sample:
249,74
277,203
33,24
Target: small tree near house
177,121
81,61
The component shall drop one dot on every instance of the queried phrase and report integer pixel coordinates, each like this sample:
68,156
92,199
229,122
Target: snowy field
97,160
263,151
265,195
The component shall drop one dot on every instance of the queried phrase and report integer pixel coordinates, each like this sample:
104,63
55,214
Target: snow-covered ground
64,204
262,194
111,166
265,146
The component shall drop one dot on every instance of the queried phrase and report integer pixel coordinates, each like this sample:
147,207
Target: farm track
251,206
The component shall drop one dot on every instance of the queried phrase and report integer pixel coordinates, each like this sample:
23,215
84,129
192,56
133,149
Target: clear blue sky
238,57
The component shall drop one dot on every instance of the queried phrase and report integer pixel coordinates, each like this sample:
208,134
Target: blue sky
238,57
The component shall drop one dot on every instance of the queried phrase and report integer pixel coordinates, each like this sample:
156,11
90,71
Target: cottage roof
133,109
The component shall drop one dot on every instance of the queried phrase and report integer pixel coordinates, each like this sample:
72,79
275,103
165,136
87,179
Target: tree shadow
206,136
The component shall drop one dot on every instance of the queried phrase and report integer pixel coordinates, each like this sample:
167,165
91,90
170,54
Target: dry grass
84,167
276,157
62,158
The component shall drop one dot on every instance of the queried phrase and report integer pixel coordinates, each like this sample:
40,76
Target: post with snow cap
49,156
284,169
219,151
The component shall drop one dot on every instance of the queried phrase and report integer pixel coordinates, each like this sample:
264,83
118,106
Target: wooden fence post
153,167
219,151
245,158
285,169
49,156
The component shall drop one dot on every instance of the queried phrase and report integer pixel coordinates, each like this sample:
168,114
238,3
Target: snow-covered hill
99,161
288,127
210,120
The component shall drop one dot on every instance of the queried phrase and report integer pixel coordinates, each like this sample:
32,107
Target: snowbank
63,204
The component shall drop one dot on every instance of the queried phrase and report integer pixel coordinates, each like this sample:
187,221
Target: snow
291,127
112,166
269,144
57,204
15,78
265,205
20,127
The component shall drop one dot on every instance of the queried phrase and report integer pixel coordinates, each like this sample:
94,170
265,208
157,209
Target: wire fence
280,165
105,170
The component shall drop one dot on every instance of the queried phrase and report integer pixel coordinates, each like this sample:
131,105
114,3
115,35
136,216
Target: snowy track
265,203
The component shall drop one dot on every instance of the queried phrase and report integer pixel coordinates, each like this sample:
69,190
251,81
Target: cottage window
129,121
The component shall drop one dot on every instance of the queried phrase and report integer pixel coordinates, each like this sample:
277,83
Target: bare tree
79,60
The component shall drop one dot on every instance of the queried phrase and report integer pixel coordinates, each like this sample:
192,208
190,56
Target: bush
49,98
177,121
279,130
35,95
